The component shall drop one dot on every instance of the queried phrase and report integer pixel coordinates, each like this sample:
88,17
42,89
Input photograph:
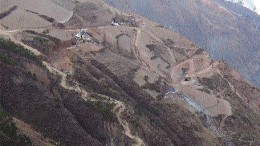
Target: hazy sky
257,4
251,4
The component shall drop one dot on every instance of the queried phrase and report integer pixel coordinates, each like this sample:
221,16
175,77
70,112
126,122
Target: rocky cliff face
227,31
132,84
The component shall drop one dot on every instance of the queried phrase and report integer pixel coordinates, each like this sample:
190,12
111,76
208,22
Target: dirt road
118,109
12,38
119,106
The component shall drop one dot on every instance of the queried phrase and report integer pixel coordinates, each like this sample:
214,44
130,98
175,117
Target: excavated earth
128,85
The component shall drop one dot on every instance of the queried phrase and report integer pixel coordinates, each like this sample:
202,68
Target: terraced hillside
226,30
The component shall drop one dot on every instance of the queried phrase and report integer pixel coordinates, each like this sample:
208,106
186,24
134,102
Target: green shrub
106,109
6,13
51,20
8,132
18,49
139,110
168,42
8,60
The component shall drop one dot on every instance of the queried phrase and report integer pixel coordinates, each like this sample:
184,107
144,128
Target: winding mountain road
119,108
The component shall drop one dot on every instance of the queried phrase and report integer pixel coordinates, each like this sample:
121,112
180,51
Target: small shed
83,35
127,20
184,70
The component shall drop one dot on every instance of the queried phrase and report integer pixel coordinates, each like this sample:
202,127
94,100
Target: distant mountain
226,30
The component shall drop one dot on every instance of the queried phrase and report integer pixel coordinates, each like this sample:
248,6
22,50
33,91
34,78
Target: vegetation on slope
7,59
6,13
18,49
105,109
9,135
